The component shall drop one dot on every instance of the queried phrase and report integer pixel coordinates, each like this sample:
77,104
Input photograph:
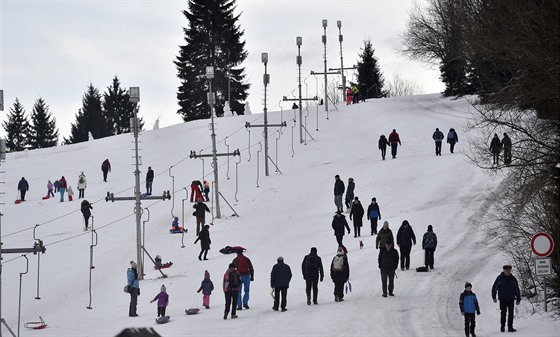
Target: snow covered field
280,215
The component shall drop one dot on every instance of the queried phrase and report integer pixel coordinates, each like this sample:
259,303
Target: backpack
81,181
311,264
373,214
233,280
338,263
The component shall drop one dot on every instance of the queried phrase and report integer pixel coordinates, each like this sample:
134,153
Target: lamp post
298,61
325,62
340,38
266,80
210,76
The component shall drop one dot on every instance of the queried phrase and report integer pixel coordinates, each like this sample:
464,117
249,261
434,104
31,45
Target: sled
192,311
231,250
46,197
179,231
422,269
36,325
18,201
165,265
162,320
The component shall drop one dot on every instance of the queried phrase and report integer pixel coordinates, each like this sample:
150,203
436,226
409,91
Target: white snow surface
280,215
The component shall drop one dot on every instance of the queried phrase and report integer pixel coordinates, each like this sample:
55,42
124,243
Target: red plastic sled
18,201
46,197
165,265
36,325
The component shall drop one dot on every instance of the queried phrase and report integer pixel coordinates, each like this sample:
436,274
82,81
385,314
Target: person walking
50,188
452,138
349,194
149,180
385,234
280,281
70,193
82,184
312,270
62,188
508,292
382,144
133,288
338,224
394,141
23,187
204,238
338,192
388,262
340,273
200,210
438,138
206,190
373,214
206,286
349,96
357,211
86,208
162,299
231,284
105,168
196,190
429,244
405,240
495,148
247,273
506,145
468,303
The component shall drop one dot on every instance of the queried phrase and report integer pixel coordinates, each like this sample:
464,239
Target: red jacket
394,138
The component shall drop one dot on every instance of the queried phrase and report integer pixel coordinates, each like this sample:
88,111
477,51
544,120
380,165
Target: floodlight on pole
210,76
298,60
325,63
266,80
340,38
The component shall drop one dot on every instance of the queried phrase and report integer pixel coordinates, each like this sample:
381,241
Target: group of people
452,139
497,145
198,188
355,93
394,141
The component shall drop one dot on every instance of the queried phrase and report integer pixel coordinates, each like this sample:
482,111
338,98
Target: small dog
361,244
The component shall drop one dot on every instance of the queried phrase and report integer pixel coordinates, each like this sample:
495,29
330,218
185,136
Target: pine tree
369,74
43,132
17,128
89,118
118,109
213,38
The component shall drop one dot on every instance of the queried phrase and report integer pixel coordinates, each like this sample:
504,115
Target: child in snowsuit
158,262
162,301
175,225
468,303
50,187
206,286
70,193
206,190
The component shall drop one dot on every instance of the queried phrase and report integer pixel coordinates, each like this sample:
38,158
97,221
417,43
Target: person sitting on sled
175,228
158,262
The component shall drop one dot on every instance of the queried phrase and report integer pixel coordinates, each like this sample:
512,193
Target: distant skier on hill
452,138
438,138
338,224
312,269
105,168
382,145
338,192
349,193
357,211
373,214
395,141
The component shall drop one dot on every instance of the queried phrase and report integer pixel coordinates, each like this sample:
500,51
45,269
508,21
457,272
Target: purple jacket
162,299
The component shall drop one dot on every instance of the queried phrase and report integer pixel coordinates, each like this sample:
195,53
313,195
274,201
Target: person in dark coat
388,261
338,192
382,145
338,224
405,240
495,148
106,168
204,238
349,193
452,138
506,145
394,141
373,214
438,138
357,211
200,210
231,290
429,244
23,187
149,180
280,281
468,303
385,234
86,208
340,273
312,270
508,292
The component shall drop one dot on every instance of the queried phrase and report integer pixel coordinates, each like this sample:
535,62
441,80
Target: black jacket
357,211
200,208
382,144
350,190
506,287
86,206
388,259
495,145
405,236
341,275
150,175
338,187
280,276
338,224
204,237
506,142
312,267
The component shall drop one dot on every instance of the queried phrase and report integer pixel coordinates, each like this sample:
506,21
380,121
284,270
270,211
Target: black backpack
233,279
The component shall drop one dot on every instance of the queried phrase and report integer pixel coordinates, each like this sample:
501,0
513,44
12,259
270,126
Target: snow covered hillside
281,215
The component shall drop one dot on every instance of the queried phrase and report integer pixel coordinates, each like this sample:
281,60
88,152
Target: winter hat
163,289
280,259
313,250
133,265
373,199
350,179
386,224
507,267
467,284
340,250
356,199
337,176
206,274
231,265
430,228
405,223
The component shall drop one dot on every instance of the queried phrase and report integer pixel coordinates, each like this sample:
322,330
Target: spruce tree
43,132
89,118
17,128
369,74
213,38
117,108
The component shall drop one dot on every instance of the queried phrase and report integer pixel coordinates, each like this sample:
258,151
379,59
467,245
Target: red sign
542,244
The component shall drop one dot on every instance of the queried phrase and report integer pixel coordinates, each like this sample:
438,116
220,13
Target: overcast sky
54,49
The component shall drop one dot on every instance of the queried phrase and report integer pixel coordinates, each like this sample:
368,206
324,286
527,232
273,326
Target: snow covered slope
280,215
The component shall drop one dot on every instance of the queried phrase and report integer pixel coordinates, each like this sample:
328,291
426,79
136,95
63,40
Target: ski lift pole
144,232
172,189
237,178
91,266
249,146
38,263
227,146
258,155
20,278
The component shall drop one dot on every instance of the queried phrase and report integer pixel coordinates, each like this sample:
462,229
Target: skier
338,224
247,273
338,192
385,234
85,208
312,270
506,145
23,187
231,285
82,184
349,194
373,214
382,144
70,193
405,240
495,148
196,190
438,138
468,303
280,277
50,189
206,190
429,244
508,292
204,238
62,188
340,273
395,141
133,288
162,301
106,168
388,262
199,213
149,180
452,138
206,286
357,211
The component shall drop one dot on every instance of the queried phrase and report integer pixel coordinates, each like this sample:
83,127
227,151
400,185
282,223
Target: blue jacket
468,303
429,241
438,136
280,276
132,279
506,287
23,185
206,286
